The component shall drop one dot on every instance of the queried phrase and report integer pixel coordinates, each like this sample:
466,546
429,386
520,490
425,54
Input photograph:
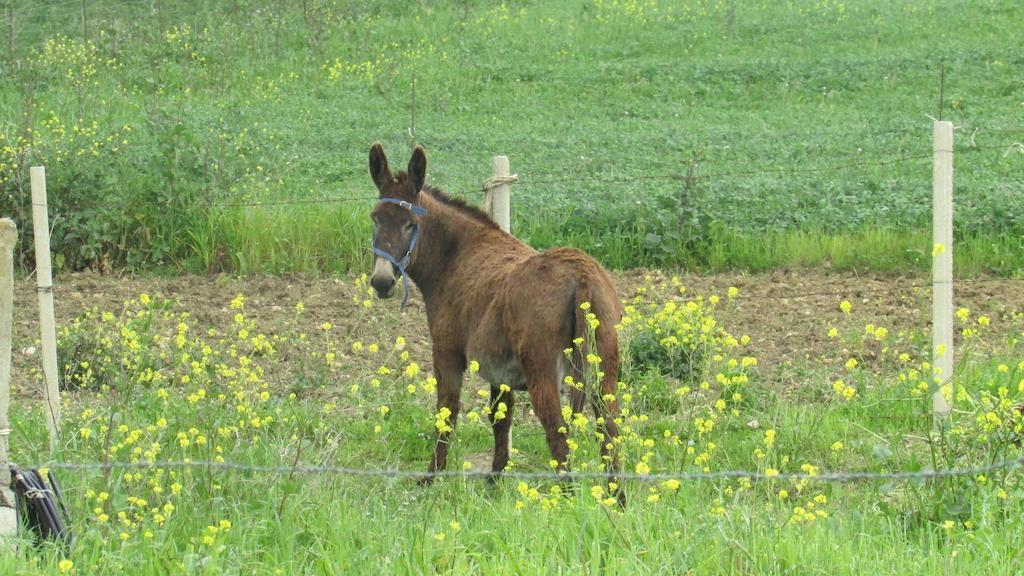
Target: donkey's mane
460,205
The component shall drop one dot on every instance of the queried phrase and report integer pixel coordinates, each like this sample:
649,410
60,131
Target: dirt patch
786,313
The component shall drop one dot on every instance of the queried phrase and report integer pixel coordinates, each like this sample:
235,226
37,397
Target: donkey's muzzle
385,287
383,278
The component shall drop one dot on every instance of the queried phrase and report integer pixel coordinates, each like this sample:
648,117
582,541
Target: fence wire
849,293
395,473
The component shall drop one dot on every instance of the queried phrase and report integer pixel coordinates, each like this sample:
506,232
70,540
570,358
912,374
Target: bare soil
786,313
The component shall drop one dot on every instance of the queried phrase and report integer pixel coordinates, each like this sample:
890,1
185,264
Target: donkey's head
395,218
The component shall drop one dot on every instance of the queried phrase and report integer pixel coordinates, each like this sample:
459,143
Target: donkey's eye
409,226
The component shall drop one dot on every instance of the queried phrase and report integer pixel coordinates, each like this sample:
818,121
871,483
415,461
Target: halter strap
417,210
401,264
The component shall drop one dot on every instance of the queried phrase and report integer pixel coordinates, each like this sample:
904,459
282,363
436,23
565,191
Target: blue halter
401,264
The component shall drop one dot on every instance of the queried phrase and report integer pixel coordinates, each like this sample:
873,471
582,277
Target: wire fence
394,473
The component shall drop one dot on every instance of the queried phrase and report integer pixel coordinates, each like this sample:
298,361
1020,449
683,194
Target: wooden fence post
942,267
8,237
44,285
497,202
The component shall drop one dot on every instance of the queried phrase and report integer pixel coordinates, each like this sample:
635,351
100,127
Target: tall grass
272,240
795,120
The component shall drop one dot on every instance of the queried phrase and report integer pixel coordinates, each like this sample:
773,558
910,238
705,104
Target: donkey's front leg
448,368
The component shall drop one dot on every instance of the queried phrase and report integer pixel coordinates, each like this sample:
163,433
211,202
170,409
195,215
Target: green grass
798,113
881,249
320,409
272,240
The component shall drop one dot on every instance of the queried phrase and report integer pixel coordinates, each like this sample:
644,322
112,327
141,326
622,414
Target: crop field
756,174
705,134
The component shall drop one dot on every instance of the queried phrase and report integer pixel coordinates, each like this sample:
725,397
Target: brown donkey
493,299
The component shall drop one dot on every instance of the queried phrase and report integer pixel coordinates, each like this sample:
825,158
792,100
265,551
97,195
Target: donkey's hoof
427,479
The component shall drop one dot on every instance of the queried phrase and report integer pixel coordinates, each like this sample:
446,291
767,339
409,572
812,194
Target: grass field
806,127
205,137
154,381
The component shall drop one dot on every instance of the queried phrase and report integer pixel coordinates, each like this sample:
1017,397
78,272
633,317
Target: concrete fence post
942,268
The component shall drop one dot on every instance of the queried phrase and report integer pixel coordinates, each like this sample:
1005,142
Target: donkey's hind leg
607,414
577,399
540,381
501,422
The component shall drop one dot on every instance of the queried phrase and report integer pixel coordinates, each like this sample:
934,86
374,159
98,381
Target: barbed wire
396,473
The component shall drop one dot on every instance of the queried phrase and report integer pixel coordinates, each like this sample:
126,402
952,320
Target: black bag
41,507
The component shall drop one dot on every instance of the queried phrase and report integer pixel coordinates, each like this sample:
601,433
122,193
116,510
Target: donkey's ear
379,170
418,169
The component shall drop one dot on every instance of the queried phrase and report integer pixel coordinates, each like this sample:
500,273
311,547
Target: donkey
491,298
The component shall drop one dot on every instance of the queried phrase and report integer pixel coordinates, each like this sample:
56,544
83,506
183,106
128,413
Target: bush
680,346
672,339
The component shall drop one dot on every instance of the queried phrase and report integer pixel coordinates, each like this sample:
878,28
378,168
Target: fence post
8,237
942,266
44,285
496,193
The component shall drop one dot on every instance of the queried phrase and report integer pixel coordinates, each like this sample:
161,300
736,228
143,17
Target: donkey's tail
596,365
596,346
